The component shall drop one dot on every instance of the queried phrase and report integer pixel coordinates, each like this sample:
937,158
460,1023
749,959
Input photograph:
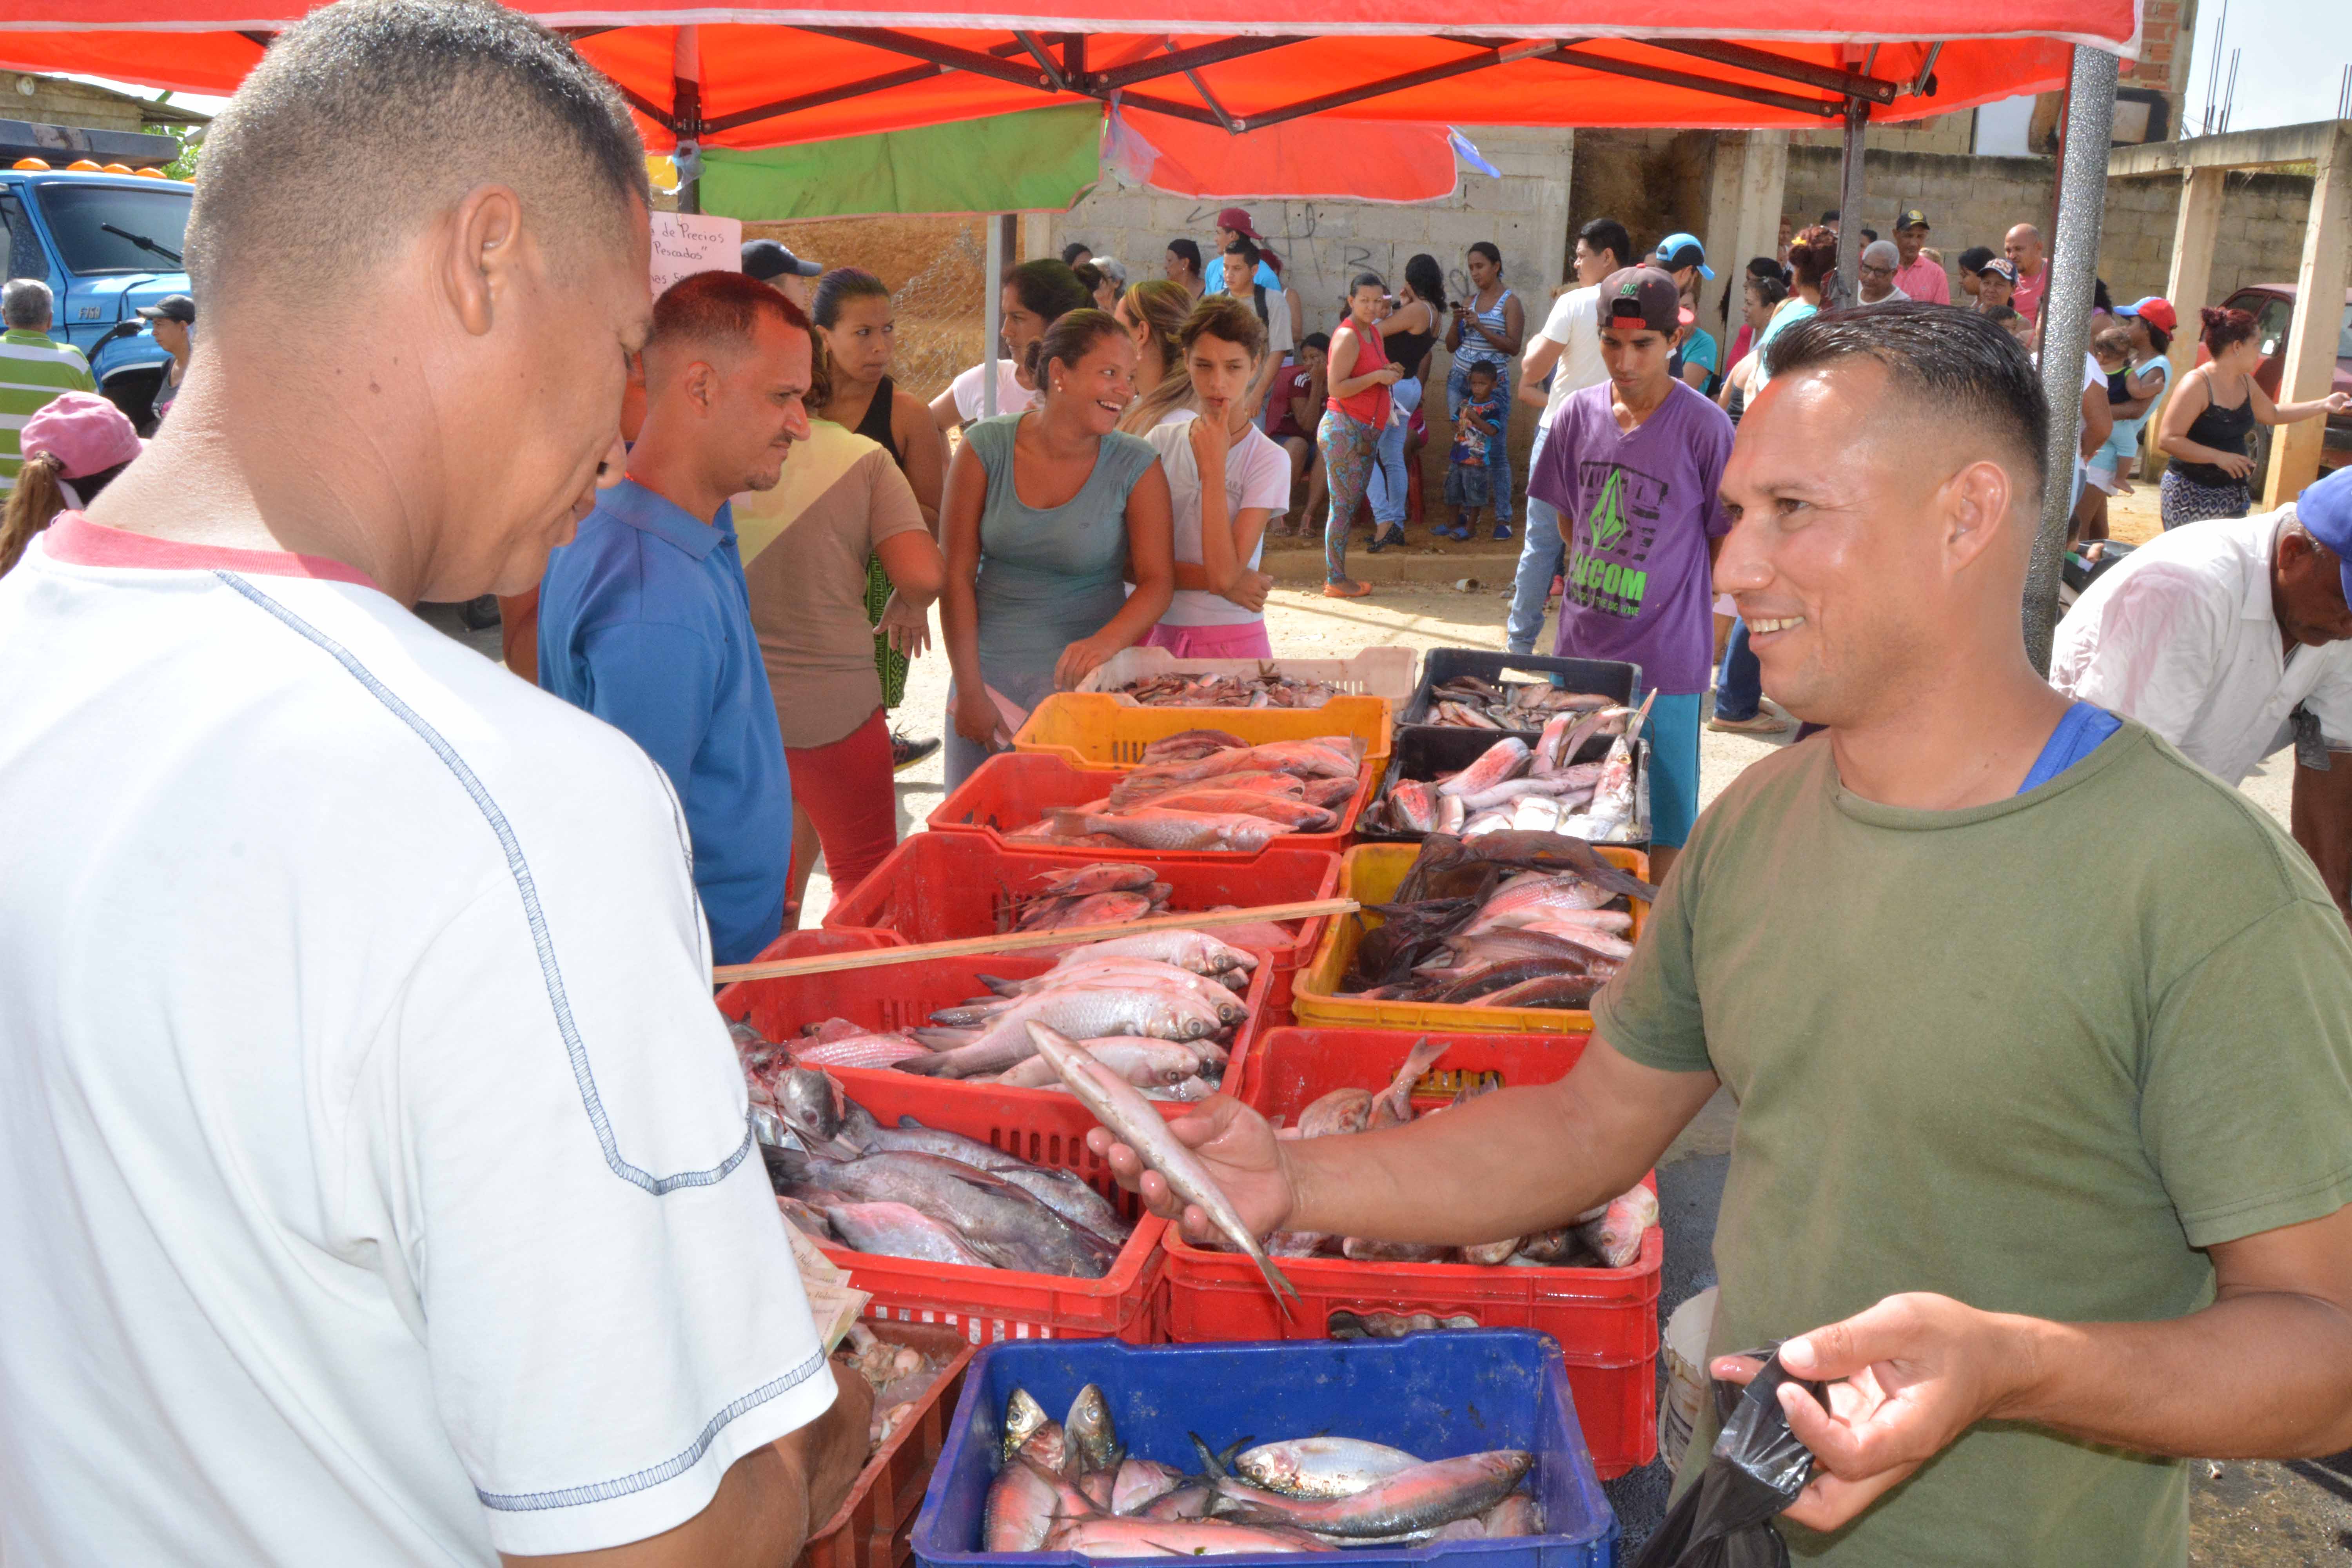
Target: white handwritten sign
688,243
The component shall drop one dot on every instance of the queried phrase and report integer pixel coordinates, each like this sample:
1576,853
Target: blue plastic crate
1435,1395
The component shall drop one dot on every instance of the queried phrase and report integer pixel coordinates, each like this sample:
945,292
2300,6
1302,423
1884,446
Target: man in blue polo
644,618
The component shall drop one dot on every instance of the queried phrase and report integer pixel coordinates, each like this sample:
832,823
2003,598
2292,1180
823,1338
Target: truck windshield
100,229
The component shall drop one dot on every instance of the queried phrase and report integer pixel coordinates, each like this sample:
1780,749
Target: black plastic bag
1756,1468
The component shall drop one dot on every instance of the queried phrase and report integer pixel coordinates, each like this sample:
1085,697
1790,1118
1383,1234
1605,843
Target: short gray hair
25,304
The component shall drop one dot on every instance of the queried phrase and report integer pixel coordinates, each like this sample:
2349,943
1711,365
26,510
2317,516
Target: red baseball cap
1238,220
2155,310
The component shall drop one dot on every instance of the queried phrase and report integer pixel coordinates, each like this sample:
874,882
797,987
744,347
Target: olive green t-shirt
2031,1055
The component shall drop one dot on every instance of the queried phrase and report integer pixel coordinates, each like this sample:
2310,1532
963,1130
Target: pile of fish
919,1192
1071,1486
1511,918
1205,789
1156,1008
1531,788
1264,690
1105,894
900,1374
1467,702
1608,1237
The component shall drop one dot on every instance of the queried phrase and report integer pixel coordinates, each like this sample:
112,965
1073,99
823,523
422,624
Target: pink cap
84,432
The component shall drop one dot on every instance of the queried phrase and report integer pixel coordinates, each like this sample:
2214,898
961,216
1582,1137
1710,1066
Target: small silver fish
1321,1467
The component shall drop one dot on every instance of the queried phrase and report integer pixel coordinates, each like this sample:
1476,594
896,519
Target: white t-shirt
378,1187
1575,325
1012,397
2181,636
1257,473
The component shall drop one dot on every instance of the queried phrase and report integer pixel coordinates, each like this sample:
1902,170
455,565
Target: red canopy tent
766,75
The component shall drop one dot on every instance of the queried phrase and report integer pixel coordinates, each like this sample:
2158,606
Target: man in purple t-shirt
1632,465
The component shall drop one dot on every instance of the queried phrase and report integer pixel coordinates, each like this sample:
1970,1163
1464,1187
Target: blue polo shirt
644,622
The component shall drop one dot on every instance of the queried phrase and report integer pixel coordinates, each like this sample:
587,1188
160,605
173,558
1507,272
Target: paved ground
2243,1515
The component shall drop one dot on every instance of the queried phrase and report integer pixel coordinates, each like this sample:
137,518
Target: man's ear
481,248
1975,503
700,383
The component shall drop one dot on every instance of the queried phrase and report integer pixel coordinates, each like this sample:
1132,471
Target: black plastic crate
1440,665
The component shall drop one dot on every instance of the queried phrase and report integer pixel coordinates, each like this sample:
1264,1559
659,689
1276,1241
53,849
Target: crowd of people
380,1187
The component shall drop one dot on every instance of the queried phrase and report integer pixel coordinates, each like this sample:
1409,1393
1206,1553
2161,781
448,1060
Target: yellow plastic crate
1094,729
1370,874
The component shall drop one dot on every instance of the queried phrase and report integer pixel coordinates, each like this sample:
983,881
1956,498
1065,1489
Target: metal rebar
2066,327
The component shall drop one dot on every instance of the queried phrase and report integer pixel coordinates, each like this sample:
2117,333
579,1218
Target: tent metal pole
1850,194
686,112
991,320
1764,62
1568,55
2066,326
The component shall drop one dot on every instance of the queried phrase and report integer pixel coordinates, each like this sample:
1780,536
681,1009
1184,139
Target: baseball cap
1998,266
2155,310
1238,219
1643,294
765,260
86,433
170,308
1911,217
1677,251
2323,509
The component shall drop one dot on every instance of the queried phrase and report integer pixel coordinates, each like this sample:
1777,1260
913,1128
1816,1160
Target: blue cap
1677,251
2325,509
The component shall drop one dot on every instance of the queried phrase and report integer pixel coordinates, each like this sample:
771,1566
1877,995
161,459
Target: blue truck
105,244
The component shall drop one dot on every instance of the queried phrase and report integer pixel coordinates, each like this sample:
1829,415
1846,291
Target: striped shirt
33,371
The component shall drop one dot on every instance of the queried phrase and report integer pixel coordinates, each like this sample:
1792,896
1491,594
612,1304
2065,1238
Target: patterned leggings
2185,500
1348,445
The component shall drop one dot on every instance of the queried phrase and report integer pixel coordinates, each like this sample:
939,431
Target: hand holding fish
1235,1146
1906,1378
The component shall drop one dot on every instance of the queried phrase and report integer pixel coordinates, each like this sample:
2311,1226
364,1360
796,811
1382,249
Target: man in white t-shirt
1568,349
2226,639
375,1179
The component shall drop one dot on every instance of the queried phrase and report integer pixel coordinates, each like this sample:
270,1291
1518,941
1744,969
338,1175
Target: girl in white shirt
1227,480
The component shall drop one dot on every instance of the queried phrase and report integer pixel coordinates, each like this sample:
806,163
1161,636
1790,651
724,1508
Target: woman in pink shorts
1227,481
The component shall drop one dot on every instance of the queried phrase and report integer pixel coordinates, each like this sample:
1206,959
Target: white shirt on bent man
377,1186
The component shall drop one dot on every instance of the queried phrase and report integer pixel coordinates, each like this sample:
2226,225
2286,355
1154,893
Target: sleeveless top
1370,407
1476,350
1408,350
1050,576
875,426
2224,430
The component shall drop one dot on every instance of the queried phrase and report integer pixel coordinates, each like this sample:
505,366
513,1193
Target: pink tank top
1370,407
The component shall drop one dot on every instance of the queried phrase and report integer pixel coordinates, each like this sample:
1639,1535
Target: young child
1470,465
2110,466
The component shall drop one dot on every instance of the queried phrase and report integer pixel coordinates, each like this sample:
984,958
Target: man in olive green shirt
2042,1038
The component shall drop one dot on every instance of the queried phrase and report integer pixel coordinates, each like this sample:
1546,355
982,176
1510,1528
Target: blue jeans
1388,484
1542,557
1673,768
1739,684
1499,464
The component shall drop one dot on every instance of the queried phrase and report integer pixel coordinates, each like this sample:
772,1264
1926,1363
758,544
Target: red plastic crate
1606,1320
936,886
990,1304
874,1527
1013,789
904,996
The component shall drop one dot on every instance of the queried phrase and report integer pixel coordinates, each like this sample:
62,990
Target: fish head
1023,1417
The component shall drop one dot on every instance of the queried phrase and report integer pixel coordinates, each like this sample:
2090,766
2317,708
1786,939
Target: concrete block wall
1973,201
1323,244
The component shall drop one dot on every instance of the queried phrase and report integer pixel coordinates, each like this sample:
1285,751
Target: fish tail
1285,1294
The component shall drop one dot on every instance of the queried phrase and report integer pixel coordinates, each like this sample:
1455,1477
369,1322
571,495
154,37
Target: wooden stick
1015,941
